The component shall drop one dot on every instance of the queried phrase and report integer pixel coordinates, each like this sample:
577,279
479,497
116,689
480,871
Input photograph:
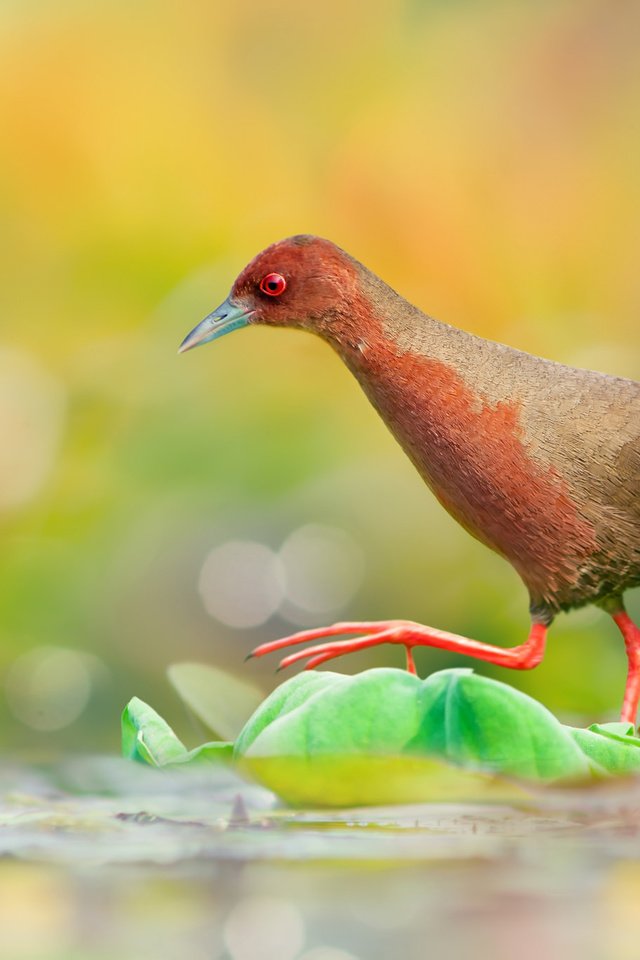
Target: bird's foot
406,633
375,632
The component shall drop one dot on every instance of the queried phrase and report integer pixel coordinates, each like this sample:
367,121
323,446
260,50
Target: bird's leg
631,634
409,635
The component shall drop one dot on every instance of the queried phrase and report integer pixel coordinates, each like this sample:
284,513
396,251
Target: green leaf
625,732
147,738
359,780
456,715
219,699
478,722
214,752
386,736
293,693
610,747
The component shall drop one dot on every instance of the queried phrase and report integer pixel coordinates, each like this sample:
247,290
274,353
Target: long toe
329,651
373,627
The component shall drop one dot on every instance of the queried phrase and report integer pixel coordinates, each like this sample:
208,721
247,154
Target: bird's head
303,281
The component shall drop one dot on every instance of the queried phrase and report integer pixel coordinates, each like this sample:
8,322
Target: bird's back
584,424
584,427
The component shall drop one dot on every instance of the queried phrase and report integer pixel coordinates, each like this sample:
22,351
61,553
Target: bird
537,460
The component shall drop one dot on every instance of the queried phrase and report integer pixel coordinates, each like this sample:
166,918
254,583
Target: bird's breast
475,457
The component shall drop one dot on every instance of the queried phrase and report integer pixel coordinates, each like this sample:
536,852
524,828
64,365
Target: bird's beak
225,318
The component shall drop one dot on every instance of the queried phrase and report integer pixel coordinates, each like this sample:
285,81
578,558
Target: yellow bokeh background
482,157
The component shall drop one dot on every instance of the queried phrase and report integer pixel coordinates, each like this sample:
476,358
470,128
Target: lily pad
218,698
611,745
147,738
450,735
386,736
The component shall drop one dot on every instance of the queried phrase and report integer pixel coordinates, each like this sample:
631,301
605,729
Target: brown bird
537,460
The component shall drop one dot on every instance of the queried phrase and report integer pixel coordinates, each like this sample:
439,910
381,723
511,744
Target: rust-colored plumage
539,461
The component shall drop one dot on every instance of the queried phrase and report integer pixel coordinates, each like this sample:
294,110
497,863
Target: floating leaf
611,746
413,739
475,721
386,736
146,737
219,699
214,752
366,780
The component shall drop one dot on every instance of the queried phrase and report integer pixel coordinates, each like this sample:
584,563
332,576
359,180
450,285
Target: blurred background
482,157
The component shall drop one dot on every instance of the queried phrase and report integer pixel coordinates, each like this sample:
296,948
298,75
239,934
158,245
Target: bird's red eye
273,284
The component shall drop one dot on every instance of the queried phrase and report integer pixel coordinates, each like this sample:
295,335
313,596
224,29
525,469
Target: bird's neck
377,322
414,371
381,336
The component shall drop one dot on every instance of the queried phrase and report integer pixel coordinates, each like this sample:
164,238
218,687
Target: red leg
631,634
409,635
